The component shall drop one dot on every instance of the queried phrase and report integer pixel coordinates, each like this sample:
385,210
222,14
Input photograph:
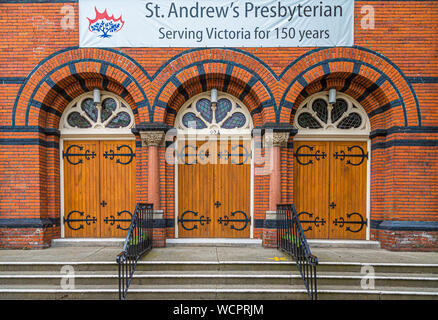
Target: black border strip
398,225
29,223
423,80
405,143
29,142
37,129
12,80
391,225
398,129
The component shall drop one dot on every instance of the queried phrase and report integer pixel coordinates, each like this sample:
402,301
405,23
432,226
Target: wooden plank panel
81,189
214,179
194,192
232,186
311,181
348,190
117,187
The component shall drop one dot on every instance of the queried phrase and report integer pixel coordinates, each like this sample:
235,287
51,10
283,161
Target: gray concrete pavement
87,254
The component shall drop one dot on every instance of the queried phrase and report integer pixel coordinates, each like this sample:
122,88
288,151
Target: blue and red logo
105,25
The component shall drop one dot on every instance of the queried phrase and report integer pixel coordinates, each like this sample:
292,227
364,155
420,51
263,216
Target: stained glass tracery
226,114
316,113
84,113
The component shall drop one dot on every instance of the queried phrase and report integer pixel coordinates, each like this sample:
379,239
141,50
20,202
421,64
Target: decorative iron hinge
112,220
225,155
111,154
226,220
87,154
317,155
315,221
88,220
341,222
201,220
182,154
341,155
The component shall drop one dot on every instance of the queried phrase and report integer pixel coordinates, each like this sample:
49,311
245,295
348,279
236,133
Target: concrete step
332,279
378,267
251,280
357,244
353,267
189,292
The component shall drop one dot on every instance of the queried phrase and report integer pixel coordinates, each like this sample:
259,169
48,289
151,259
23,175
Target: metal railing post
138,242
291,239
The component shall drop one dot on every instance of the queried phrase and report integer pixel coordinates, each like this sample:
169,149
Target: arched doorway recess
98,166
214,168
332,167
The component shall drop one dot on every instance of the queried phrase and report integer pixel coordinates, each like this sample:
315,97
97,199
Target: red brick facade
392,71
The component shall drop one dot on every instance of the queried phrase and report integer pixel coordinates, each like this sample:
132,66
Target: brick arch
363,90
59,78
227,76
73,86
370,77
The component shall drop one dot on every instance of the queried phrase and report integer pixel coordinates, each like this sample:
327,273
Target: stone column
153,140
274,141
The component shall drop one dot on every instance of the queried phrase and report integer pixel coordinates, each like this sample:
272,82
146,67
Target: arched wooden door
330,181
214,189
99,188
330,177
99,175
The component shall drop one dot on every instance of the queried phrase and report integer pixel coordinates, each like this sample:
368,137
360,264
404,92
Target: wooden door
330,188
311,193
117,187
99,188
214,189
195,190
81,189
348,167
231,211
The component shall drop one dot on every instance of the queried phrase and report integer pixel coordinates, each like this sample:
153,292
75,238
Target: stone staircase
230,280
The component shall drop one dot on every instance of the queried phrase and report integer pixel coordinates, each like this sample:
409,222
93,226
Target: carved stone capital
152,138
276,139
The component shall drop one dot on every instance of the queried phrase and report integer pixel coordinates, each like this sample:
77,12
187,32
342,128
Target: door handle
217,204
332,205
103,204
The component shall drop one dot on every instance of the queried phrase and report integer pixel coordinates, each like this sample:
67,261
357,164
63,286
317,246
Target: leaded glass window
112,113
227,114
316,114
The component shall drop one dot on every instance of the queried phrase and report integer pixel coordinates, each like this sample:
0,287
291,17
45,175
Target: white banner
216,23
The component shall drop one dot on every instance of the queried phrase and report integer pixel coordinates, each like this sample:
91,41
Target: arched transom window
316,115
226,115
109,115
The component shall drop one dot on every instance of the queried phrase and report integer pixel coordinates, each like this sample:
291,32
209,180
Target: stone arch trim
375,78
62,76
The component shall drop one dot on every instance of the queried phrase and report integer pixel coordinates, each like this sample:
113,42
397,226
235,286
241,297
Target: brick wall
391,71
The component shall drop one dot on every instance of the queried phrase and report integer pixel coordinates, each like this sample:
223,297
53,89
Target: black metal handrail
291,239
137,243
